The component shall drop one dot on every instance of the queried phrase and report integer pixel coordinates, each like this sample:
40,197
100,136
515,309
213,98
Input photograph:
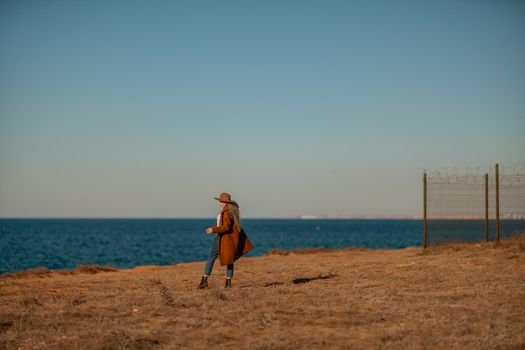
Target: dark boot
228,283
204,283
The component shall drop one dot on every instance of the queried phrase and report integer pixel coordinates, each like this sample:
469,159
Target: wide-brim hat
225,198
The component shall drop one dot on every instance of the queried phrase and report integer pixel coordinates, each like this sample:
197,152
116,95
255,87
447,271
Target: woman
231,242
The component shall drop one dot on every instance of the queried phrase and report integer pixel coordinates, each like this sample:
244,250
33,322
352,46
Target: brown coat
232,243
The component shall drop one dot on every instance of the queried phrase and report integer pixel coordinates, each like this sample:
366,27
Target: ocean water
125,243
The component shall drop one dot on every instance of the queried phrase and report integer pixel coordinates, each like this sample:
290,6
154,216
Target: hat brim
231,202
217,198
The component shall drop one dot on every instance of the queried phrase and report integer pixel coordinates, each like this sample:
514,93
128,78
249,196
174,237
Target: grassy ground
456,296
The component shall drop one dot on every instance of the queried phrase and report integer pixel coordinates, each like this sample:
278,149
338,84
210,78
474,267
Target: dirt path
454,297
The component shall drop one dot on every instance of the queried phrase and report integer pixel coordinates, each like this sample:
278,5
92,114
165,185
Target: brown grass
45,272
455,296
279,251
515,242
95,268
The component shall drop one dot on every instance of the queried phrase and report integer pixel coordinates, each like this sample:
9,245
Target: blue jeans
214,253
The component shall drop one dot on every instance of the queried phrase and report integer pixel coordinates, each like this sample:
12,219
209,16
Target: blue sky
150,108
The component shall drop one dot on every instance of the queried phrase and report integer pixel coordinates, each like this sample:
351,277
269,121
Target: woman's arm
225,224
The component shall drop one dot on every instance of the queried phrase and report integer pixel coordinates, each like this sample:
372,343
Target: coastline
63,244
462,295
42,271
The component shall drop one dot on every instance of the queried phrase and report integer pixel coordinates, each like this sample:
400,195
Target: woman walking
231,242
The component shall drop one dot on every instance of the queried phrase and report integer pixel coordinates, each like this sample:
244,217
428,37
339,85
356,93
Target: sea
126,243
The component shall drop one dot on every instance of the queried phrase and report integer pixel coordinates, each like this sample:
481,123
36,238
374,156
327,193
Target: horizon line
303,217
300,217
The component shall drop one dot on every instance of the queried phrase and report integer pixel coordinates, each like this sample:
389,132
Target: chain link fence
473,206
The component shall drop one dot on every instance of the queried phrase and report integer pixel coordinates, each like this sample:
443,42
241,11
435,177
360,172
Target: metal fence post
424,210
487,207
497,203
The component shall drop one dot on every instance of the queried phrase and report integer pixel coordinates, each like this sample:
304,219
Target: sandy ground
460,296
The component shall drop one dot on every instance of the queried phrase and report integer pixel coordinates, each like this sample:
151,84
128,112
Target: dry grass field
456,296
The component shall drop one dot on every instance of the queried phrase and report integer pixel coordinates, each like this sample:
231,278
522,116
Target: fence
473,206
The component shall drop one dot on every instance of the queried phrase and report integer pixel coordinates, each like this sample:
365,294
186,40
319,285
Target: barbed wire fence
473,206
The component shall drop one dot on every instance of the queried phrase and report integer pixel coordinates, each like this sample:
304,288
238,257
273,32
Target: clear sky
151,108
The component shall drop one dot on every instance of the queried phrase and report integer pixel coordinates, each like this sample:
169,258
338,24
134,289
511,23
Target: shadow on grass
300,280
303,280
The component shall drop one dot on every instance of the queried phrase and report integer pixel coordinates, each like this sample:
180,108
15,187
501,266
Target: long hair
233,209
